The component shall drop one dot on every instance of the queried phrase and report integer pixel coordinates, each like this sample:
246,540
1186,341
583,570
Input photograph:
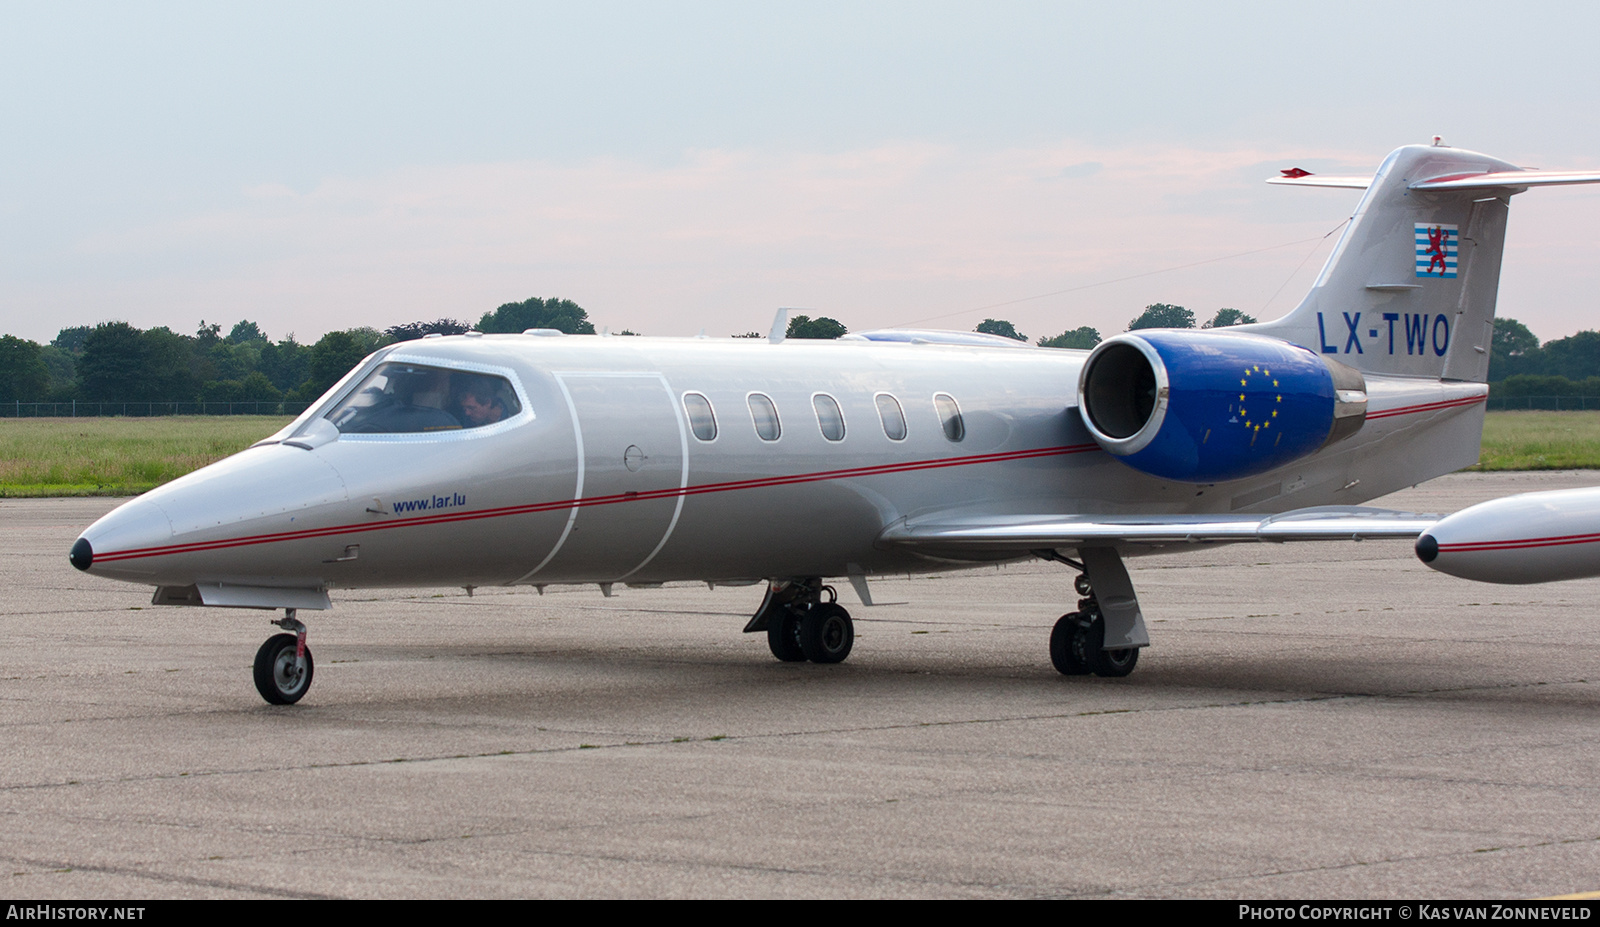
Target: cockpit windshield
405,398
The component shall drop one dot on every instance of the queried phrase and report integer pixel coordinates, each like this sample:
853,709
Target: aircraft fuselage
609,471
602,478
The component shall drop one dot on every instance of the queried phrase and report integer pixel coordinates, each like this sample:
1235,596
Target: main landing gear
1077,644
1103,640
283,664
804,621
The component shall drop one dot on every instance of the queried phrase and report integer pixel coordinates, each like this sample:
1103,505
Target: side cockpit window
404,398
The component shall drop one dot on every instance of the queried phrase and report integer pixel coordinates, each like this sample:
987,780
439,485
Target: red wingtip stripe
1466,547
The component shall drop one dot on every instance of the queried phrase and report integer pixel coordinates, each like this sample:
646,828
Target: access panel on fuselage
632,453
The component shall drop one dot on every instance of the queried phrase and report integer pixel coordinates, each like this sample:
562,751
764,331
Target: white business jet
541,458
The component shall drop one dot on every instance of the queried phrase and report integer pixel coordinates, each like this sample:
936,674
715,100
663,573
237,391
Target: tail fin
1410,288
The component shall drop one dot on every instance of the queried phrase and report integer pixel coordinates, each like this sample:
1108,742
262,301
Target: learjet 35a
540,458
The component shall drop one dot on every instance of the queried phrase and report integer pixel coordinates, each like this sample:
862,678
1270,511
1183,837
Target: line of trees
1157,315
116,362
1519,366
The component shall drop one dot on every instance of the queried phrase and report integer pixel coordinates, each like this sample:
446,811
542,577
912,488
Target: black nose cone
82,554
1427,548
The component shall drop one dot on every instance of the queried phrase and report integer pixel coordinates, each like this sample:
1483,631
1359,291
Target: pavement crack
787,734
66,866
1184,886
1088,713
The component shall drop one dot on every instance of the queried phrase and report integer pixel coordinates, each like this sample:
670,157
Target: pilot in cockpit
479,400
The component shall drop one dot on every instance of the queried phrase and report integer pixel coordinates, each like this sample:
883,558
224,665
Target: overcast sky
679,166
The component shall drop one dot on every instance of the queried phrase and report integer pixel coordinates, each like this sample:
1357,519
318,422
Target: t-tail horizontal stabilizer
1410,288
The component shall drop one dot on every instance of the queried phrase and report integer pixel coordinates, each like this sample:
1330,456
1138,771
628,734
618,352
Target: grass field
123,456
1540,441
117,456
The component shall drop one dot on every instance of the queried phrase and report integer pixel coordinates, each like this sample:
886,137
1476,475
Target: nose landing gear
283,665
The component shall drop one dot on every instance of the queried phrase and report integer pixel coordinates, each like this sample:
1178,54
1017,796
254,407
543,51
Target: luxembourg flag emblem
1436,250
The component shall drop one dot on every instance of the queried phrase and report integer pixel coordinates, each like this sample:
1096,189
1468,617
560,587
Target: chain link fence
81,409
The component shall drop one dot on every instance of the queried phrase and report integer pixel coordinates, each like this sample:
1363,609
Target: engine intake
1206,406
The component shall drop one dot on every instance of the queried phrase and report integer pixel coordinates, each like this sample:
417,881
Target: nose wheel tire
277,676
1076,648
827,633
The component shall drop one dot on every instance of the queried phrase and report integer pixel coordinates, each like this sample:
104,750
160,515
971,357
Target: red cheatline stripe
1429,406
1474,546
762,483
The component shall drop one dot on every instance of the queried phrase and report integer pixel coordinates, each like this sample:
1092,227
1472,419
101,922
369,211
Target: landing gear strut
283,664
804,621
1078,643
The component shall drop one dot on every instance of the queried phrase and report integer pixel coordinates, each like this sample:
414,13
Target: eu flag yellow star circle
1257,411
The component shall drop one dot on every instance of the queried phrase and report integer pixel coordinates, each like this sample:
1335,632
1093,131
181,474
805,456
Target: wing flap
1034,532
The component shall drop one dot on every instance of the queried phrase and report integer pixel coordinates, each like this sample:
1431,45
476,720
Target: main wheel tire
1112,663
1108,663
827,633
1069,645
275,674
783,636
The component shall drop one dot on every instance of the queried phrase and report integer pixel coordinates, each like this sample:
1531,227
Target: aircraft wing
935,534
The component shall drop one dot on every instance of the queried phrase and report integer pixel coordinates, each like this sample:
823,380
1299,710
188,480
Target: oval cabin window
702,420
765,416
894,420
830,418
949,416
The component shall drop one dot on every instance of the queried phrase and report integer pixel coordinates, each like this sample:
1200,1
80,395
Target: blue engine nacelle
1210,406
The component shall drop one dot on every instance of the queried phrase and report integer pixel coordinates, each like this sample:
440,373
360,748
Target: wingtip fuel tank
1537,537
